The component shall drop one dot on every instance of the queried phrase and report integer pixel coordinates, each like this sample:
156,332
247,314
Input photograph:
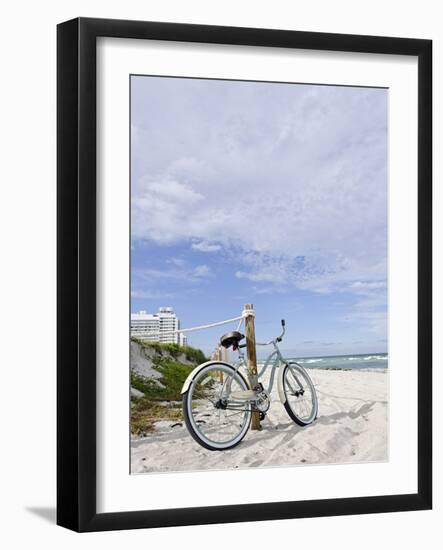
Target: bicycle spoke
301,402
215,418
235,414
290,387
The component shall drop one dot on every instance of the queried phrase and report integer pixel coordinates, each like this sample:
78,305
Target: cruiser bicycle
218,401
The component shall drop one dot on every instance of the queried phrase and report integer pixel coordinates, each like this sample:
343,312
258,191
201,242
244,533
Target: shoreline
352,369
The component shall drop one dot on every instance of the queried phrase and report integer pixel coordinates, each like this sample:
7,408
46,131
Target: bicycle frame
274,360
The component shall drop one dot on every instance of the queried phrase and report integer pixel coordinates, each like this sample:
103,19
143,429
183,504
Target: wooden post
252,361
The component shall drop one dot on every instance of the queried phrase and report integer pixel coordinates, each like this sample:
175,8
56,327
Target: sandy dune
351,427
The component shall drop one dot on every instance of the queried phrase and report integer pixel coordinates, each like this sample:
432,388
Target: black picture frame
76,266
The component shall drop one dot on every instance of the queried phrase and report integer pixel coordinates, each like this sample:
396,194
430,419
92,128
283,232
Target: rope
240,324
245,313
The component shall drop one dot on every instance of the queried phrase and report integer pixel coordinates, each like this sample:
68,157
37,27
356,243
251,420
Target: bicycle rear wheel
216,408
298,394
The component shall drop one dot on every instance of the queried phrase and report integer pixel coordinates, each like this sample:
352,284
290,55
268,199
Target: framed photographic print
244,274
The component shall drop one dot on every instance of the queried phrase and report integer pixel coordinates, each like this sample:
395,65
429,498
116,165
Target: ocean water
363,361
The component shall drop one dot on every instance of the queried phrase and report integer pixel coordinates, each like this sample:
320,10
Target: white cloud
368,285
290,182
162,211
180,262
204,246
375,321
202,271
145,295
180,271
259,277
370,312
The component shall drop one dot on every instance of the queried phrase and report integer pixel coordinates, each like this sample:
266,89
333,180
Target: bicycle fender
194,373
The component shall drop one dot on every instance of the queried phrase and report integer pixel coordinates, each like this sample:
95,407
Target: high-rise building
157,327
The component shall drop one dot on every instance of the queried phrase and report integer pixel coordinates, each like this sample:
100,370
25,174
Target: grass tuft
193,355
145,412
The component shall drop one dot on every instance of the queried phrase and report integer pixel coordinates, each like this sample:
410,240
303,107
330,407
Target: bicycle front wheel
217,407
298,394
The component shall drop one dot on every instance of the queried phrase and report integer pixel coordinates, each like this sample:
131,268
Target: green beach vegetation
192,354
158,397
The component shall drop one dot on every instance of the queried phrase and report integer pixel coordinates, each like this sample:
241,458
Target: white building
157,327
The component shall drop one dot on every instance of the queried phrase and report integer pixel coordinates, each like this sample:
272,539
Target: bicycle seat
231,339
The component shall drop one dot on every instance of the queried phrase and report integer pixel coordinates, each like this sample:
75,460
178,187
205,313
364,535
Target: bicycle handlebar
274,340
283,324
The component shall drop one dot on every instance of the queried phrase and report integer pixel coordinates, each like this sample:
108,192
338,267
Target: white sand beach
351,427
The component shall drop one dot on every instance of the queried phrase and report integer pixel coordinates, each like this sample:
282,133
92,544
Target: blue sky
263,193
